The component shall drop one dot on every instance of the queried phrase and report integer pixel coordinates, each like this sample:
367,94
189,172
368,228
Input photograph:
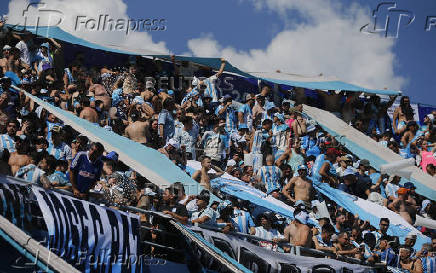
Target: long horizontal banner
90,237
259,259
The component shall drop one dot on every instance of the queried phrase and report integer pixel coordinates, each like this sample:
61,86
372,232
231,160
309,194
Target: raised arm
223,64
288,187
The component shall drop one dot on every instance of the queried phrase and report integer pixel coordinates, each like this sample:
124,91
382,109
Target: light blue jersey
211,89
30,173
60,152
270,176
8,143
242,220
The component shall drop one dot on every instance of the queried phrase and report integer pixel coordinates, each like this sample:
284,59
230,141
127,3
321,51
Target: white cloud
70,9
328,42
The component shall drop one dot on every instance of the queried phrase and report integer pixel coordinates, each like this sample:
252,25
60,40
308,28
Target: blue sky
239,29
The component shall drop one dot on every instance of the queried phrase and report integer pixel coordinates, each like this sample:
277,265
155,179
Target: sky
305,37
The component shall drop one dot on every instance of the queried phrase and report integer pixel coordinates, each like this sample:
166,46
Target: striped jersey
60,152
248,115
428,264
30,173
243,220
260,136
270,176
7,142
279,136
230,116
267,234
211,89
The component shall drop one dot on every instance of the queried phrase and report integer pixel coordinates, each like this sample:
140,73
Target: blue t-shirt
166,119
87,172
310,145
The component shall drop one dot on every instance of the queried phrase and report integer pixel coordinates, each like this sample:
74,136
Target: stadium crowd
286,150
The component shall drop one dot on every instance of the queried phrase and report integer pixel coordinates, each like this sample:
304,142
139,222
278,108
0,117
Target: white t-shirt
25,55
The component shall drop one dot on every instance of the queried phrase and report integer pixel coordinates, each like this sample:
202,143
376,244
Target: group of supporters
287,151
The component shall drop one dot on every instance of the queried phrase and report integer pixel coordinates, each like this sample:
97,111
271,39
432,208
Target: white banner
260,259
90,237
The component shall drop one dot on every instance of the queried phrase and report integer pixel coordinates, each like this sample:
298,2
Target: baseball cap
311,128
402,191
409,186
248,97
430,116
46,45
7,47
112,156
302,167
170,92
302,217
173,143
364,162
149,192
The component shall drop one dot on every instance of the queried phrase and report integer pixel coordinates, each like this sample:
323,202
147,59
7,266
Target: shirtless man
344,246
4,62
301,185
171,150
402,207
21,157
299,126
137,130
203,176
88,113
402,114
298,233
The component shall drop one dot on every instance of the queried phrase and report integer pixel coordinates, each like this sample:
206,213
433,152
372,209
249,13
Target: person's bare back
136,131
16,161
89,114
298,236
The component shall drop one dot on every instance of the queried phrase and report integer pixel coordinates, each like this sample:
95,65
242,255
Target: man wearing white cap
298,233
172,151
4,59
